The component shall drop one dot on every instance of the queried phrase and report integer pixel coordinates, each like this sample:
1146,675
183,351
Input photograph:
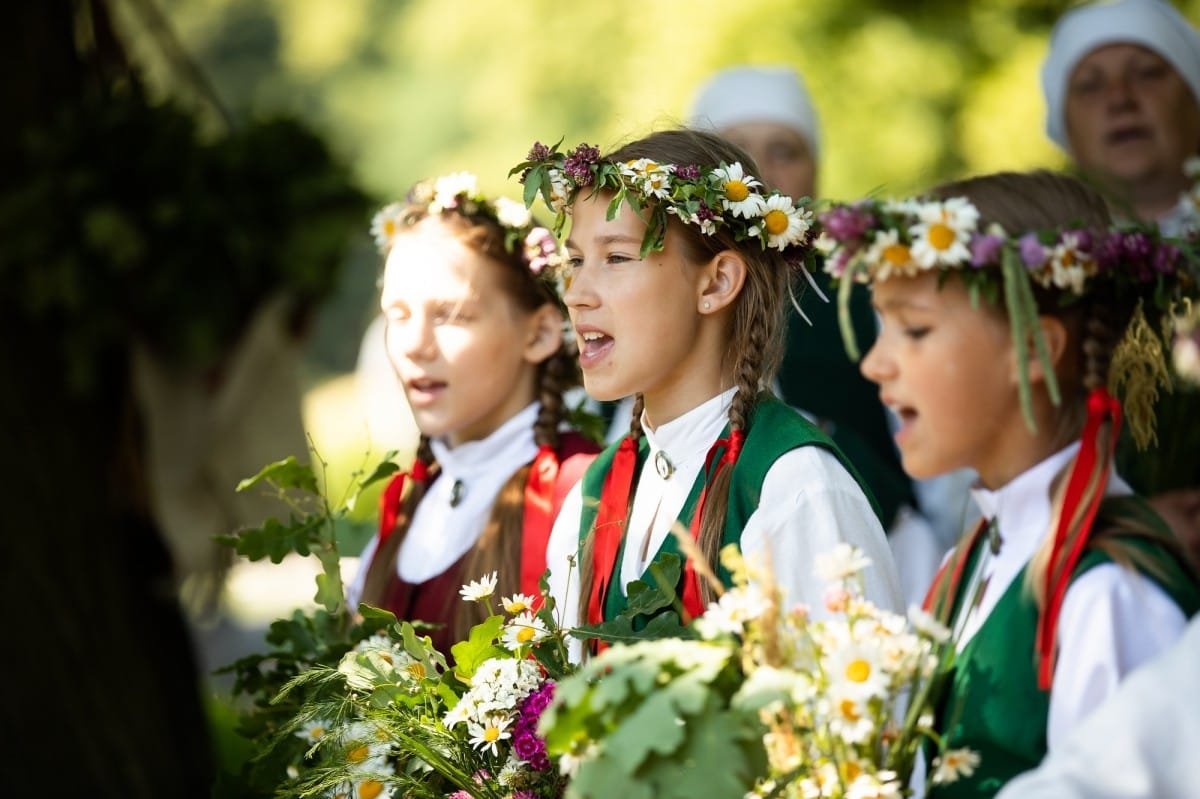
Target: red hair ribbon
538,519
942,589
1101,406
693,604
393,494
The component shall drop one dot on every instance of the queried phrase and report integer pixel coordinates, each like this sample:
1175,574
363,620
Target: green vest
992,703
774,429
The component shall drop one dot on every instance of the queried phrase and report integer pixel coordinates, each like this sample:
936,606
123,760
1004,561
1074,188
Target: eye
617,258
916,333
574,261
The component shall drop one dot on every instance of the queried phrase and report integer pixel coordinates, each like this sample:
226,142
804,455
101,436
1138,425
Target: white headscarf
1153,24
756,94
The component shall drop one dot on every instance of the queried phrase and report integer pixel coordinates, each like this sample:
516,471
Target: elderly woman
1122,82
1122,87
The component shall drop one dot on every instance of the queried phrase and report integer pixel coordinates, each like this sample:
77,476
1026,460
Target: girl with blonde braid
1010,310
679,264
475,335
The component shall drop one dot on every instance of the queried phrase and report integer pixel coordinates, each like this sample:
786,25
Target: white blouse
1112,619
442,530
809,503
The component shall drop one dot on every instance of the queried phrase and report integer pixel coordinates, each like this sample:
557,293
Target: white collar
686,439
1021,507
500,450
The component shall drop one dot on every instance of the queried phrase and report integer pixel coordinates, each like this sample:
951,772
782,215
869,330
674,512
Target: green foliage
130,225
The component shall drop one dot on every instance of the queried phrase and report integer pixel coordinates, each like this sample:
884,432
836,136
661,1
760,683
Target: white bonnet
756,94
1153,24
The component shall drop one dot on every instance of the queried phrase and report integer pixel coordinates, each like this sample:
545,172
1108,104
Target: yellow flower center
358,754
389,228
941,236
491,734
369,789
1067,259
417,670
525,634
897,254
387,658
858,670
853,771
516,607
316,732
736,191
776,221
849,710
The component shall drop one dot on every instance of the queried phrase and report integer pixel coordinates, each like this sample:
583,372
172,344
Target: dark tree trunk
102,694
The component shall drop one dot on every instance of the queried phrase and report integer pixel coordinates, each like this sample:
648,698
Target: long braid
383,564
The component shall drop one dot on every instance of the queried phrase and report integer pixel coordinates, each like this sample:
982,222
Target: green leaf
479,646
287,473
275,539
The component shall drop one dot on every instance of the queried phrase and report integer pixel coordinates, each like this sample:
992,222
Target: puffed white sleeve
809,504
562,558
1112,621
355,589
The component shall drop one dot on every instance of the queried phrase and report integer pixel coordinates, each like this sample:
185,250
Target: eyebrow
611,238
900,303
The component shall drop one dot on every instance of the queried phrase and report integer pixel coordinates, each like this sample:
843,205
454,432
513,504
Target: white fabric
1140,743
809,503
1153,24
440,534
1112,620
756,94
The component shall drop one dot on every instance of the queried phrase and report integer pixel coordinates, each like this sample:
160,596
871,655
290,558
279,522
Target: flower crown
713,199
459,193
874,240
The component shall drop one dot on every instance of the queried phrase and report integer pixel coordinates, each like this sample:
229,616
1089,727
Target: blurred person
1122,88
767,111
475,334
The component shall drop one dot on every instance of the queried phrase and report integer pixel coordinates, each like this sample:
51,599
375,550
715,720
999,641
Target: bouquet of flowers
395,718
764,703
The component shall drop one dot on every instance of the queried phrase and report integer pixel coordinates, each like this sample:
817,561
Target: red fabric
959,561
610,524
393,494
539,517
1065,554
693,603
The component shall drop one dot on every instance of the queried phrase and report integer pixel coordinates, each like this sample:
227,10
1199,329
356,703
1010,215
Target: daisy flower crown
459,193
874,240
721,198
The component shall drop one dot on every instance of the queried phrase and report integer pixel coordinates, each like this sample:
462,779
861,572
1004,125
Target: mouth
906,414
594,346
1127,134
423,390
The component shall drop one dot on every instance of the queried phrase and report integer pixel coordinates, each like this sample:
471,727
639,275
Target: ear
1054,335
544,333
721,281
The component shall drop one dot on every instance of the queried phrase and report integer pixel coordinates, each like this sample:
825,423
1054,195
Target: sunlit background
908,93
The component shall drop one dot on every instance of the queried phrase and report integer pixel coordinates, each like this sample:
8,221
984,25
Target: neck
1020,449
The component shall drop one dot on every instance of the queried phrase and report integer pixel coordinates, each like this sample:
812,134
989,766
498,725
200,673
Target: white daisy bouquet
765,702
394,718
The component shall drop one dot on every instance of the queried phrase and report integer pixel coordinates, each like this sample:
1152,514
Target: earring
706,305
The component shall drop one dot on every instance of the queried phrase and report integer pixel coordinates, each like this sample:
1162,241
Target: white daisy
489,733
384,225
857,670
942,235
731,612
517,603
889,256
649,178
481,589
560,191
738,191
954,763
314,730
1069,266
927,625
843,562
448,188
524,630
511,213
849,717
782,222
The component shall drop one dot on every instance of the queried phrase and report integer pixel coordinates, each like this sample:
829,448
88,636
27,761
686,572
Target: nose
1119,92
877,366
411,339
578,291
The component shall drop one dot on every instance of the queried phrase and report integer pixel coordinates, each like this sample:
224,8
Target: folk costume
792,497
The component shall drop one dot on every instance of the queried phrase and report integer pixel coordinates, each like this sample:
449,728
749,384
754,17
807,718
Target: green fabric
1174,462
773,430
993,704
818,377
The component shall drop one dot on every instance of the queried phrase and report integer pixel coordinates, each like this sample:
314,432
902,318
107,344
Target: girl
475,335
678,300
1008,308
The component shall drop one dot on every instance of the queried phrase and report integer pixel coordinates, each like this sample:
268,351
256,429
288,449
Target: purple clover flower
704,213
688,172
578,165
526,743
1033,253
1166,259
847,223
539,152
459,795
985,249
